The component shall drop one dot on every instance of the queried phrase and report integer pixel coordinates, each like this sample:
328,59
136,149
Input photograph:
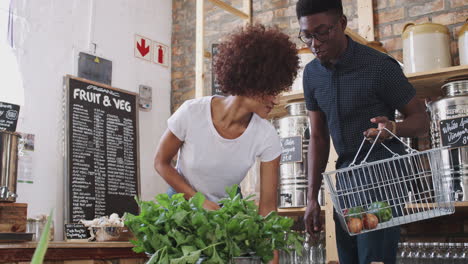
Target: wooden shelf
355,36
427,84
459,206
82,252
301,210
295,211
285,98
63,244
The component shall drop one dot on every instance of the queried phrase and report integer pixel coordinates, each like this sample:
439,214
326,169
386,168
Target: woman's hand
209,205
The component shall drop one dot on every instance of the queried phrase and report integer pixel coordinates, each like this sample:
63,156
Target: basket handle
373,144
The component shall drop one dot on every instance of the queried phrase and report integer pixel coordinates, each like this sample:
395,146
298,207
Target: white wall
48,36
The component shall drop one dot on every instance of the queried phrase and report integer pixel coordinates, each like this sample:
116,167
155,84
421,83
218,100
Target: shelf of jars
299,211
286,98
459,206
427,84
432,252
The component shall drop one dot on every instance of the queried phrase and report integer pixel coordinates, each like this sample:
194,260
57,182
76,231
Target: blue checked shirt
364,83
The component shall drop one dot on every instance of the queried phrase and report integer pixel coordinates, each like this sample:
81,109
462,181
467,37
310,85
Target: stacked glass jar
432,253
313,251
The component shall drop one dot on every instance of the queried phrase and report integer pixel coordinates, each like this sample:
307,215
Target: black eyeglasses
321,36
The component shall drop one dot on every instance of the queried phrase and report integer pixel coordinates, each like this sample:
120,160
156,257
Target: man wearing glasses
351,90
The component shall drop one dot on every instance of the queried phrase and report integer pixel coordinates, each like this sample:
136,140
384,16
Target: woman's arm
268,191
168,147
268,186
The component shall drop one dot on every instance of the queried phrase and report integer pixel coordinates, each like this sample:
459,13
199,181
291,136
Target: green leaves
179,217
178,231
382,210
197,200
232,191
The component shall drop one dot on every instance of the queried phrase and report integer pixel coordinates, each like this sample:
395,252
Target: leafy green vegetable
178,231
382,210
355,212
41,248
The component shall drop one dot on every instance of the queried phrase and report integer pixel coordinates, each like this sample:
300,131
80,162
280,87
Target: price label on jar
291,149
454,132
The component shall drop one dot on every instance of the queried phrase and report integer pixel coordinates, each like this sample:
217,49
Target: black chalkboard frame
82,235
443,135
298,150
9,114
67,135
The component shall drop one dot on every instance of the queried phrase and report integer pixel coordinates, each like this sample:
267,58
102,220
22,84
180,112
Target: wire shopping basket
391,192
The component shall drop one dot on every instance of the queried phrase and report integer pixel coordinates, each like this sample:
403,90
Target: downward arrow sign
142,49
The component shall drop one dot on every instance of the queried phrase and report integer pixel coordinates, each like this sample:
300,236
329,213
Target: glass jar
37,225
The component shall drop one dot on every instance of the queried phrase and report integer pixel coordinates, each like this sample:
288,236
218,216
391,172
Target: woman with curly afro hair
219,138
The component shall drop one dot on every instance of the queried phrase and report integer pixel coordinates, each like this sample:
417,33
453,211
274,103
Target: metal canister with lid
454,104
426,47
293,173
8,165
399,117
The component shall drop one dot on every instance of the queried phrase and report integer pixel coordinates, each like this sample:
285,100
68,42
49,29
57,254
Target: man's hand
382,122
209,205
312,221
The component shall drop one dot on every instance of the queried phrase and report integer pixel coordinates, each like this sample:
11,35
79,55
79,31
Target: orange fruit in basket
370,221
354,225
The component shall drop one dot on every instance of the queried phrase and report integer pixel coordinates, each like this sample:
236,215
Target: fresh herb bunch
178,231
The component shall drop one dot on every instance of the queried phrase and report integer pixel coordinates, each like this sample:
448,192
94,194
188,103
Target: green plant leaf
179,217
197,200
159,257
191,258
215,259
163,199
177,229
186,250
232,191
198,219
41,248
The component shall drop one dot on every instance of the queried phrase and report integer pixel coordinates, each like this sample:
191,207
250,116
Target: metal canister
453,105
9,165
293,175
399,117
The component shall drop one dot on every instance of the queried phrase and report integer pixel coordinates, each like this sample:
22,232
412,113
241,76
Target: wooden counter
72,252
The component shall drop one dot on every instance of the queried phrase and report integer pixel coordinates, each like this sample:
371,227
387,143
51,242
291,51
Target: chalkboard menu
8,116
76,231
102,147
454,132
291,149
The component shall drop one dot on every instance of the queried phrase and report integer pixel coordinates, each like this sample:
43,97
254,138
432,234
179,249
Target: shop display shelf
459,206
299,211
427,84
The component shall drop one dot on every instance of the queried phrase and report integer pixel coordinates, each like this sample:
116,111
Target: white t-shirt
210,162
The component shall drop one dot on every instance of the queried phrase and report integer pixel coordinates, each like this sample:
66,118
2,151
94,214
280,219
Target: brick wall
389,18
183,51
